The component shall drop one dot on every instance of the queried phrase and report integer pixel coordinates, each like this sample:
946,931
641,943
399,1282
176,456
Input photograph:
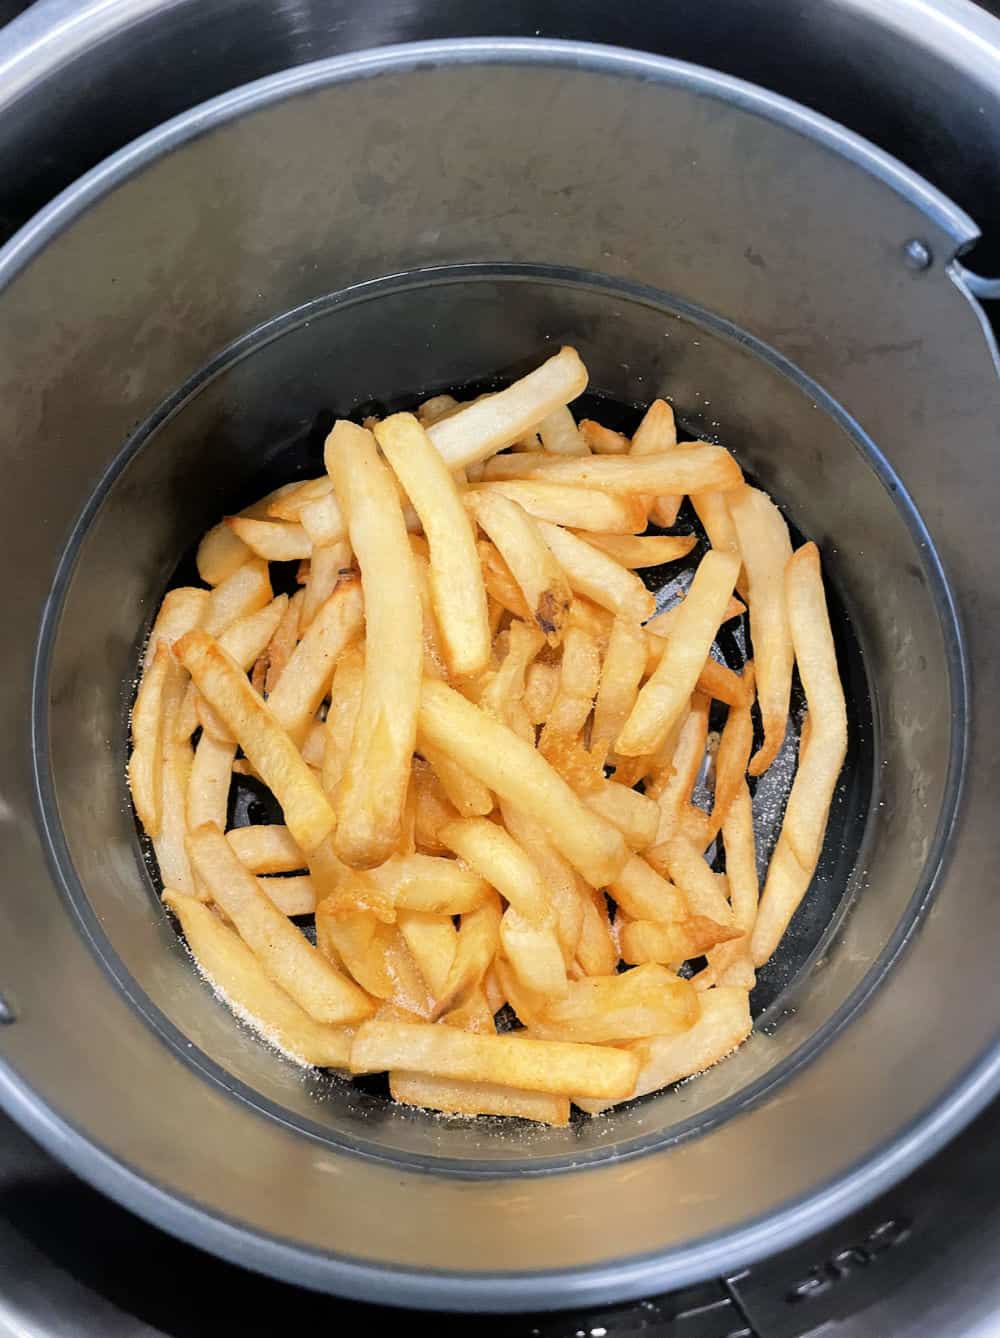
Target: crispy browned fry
455,577
730,762
602,440
266,849
656,433
208,785
693,467
308,674
432,940
292,896
723,1025
596,951
245,591
637,816
723,684
584,509
478,430
560,1067
285,954
372,789
472,1014
705,892
560,882
503,692
621,675
644,895
662,699
240,981
330,563
182,609
559,433
765,549
592,573
540,579
502,591
224,686
646,1001
731,963
283,642
579,674
534,952
437,407
476,1098
175,771
468,795
638,550
515,772
541,683
478,940
653,941
145,766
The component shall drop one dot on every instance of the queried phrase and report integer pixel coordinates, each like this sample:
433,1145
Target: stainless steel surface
166,268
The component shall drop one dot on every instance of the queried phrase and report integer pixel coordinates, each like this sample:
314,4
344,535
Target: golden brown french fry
662,625
478,430
455,576
372,790
285,954
455,1097
539,577
638,550
586,509
559,1067
426,883
515,772
765,548
621,675
722,1027
432,809
693,467
298,495
182,609
478,940
534,952
559,433
730,763
224,686
245,591
432,940
636,815
492,852
596,951
656,433
145,765
602,440
175,772
644,895
438,406
579,674
723,684
713,512
314,745
649,1000
504,691
221,552
664,696
292,896
502,591
283,642
541,683
345,699
653,941
592,573
330,563
240,981
355,941
469,796
705,892
208,785
266,849
732,963
307,676
472,1014
272,540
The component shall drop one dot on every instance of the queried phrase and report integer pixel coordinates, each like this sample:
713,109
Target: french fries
437,712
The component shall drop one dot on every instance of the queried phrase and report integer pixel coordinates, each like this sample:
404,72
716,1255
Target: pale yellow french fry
653,941
145,765
289,505
639,550
432,809
224,686
656,433
705,892
308,674
283,642
722,1027
182,609
323,521
345,701
478,940
712,510
730,763
664,696
208,786
292,896
372,789
608,514
596,951
559,433
649,1000
786,884
245,591
285,954
644,894
266,849
504,690
602,440
662,625
455,1097
636,815
494,854
515,772
541,683
562,1068
765,548
470,796
732,963
579,674
621,674
478,430
432,939
539,577
560,882
592,573
330,563
693,467
426,883
272,540
356,942
314,745
534,953
221,552
455,577
472,1014
178,756
240,981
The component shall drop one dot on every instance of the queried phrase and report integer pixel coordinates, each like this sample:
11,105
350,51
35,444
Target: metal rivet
917,254
7,1013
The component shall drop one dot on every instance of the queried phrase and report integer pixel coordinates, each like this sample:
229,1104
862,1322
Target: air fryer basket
374,229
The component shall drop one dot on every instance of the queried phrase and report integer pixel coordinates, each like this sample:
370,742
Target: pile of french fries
485,748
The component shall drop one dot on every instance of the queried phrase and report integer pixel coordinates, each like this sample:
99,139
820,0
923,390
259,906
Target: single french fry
314,745
644,894
432,939
145,765
455,576
539,577
656,433
468,795
208,785
637,550
330,563
579,674
586,509
559,433
283,642
765,548
713,512
182,609
621,675
432,809
292,896
723,684
693,467
592,573
175,772
562,1068
285,954
455,1097
730,763
427,883
323,521
472,1014
541,683
238,978
662,625
649,1000
290,504
677,941
602,440
266,849
355,941
596,951
722,1027
224,686
478,430
478,940
664,696
732,963
438,406
705,891
221,552
558,879
494,854
245,591
272,540
515,772
504,691
534,953
308,674
502,591
636,815
345,700
372,790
